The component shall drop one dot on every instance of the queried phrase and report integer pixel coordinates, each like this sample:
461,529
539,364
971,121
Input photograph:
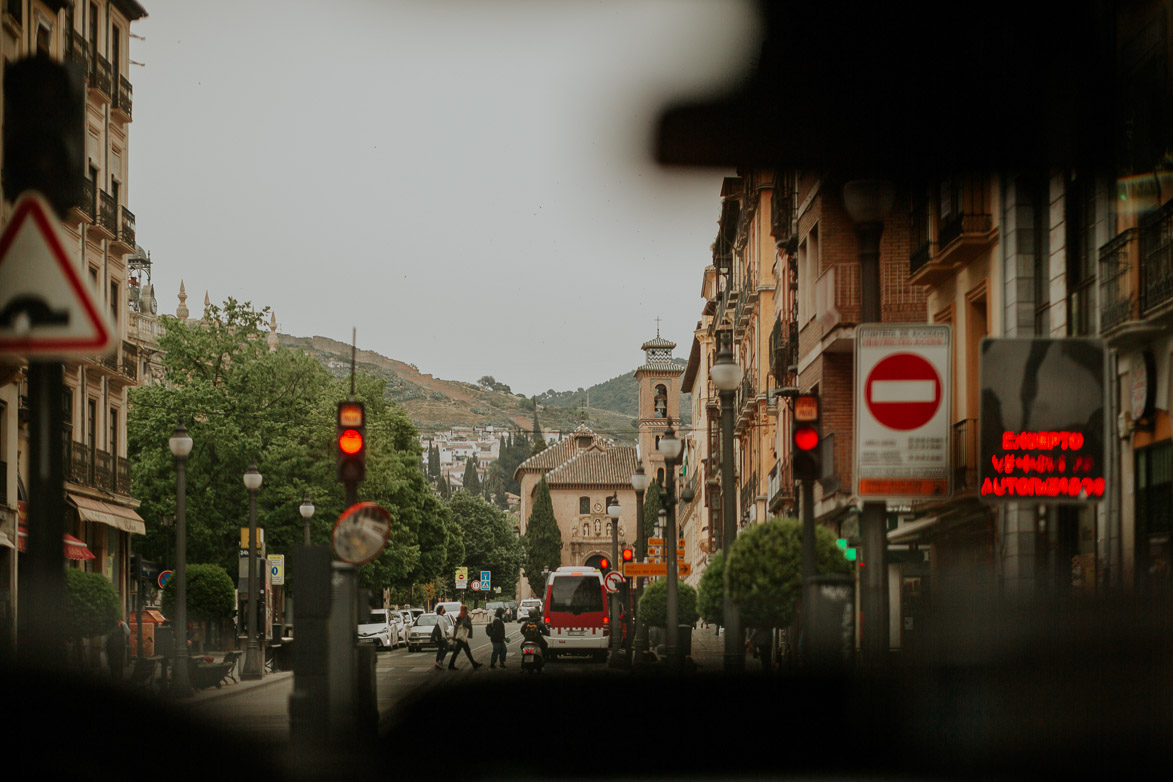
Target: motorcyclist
535,630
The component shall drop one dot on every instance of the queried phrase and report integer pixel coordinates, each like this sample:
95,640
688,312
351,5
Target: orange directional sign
653,569
46,307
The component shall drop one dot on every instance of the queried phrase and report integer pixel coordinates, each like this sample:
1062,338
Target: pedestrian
116,642
440,632
497,636
460,639
762,640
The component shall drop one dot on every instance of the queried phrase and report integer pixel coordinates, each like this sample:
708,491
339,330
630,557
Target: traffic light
604,564
806,438
849,552
627,555
44,130
352,444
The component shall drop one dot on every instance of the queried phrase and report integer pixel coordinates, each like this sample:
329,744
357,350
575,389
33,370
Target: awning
911,530
74,548
115,516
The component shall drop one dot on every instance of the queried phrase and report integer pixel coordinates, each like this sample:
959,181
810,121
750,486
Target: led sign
1042,420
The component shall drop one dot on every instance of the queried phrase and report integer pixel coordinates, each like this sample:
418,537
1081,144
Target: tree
242,402
653,504
91,605
543,539
765,570
434,462
210,594
487,535
472,481
653,606
711,594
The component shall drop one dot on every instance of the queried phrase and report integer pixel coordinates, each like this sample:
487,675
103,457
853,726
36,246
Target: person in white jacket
444,628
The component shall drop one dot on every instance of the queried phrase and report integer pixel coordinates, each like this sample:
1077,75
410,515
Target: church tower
659,401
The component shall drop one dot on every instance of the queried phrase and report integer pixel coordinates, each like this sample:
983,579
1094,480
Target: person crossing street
497,636
440,633
460,639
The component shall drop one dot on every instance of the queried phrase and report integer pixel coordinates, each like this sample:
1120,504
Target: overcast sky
470,184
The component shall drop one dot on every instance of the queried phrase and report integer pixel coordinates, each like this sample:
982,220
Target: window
584,505
576,594
1081,254
114,304
92,423
113,442
661,401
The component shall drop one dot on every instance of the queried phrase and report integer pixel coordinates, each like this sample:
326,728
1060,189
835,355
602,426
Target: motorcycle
532,659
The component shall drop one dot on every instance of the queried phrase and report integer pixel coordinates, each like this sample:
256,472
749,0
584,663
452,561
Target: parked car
526,606
492,607
408,621
511,610
399,628
420,635
452,608
378,630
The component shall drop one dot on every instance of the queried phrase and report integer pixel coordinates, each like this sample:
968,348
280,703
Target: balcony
78,50
123,100
784,352
838,303
129,363
782,210
967,227
1081,309
124,241
106,220
965,449
100,78
1156,262
98,469
746,404
781,487
1118,301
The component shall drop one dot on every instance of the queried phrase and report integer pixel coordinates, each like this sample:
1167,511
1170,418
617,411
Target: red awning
74,548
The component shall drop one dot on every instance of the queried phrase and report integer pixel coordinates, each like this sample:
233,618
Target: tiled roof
658,342
598,467
674,369
558,453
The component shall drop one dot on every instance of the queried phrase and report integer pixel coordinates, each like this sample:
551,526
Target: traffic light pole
809,564
734,641
641,554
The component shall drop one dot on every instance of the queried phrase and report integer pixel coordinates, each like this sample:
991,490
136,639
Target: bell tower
659,400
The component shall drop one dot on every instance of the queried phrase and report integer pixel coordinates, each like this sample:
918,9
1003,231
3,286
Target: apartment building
100,236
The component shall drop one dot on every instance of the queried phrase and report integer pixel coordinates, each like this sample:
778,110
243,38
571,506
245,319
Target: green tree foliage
653,606
211,595
543,539
472,481
487,535
711,594
653,504
434,462
765,570
242,402
91,605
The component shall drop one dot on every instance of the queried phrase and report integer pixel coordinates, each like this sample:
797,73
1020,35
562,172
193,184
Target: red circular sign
903,391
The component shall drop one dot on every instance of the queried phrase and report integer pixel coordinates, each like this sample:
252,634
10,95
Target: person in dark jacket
534,630
497,636
463,632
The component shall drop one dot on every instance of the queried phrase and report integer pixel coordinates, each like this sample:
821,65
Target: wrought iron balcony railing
100,75
124,97
1156,259
1118,301
126,227
965,455
108,213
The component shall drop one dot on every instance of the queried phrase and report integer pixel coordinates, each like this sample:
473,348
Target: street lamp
307,511
180,445
640,482
868,202
670,447
253,667
613,510
726,376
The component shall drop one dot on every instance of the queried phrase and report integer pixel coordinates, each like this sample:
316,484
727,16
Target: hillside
620,394
437,405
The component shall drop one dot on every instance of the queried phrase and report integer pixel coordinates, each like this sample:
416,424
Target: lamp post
180,445
640,481
613,510
253,667
726,376
669,447
868,202
307,511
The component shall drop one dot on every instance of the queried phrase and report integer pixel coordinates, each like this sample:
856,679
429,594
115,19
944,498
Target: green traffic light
842,544
849,554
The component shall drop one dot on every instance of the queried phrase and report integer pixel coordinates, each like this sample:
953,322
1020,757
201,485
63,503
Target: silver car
420,634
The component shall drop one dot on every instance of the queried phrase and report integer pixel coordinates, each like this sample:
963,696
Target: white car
526,606
420,634
379,630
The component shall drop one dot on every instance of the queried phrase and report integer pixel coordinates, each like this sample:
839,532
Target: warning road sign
46,309
902,411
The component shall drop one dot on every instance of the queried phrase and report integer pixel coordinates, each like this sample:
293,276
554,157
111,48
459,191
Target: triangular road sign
46,307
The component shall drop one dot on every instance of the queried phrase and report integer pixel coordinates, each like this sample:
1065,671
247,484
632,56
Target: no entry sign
902,411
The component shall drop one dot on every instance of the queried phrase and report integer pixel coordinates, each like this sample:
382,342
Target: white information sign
902,411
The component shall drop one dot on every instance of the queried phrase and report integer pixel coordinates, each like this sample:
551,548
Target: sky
468,184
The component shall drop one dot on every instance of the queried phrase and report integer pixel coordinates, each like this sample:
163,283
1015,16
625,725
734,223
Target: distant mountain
438,405
620,394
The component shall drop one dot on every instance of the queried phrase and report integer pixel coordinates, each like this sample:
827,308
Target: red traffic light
628,555
806,438
350,441
604,564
